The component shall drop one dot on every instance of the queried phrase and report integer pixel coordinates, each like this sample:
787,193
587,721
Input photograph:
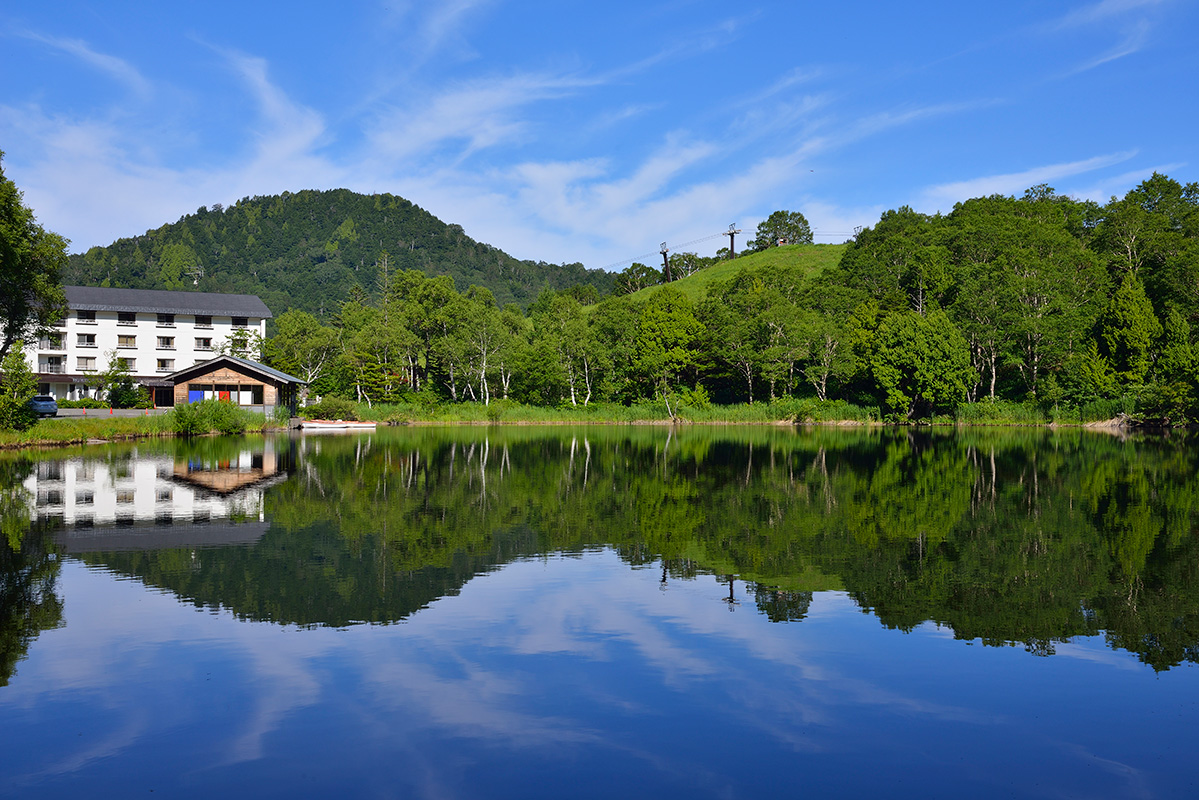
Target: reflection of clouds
93,749
1096,651
284,682
550,659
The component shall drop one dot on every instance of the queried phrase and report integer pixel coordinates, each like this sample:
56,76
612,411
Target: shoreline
1116,426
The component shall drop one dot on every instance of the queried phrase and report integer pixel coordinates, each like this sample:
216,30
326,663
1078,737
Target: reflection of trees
28,572
1010,537
780,605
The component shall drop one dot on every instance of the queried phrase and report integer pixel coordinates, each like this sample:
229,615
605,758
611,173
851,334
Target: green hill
812,259
309,250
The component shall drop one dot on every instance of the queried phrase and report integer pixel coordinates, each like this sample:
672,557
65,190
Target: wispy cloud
1133,41
942,197
479,113
873,124
1104,190
114,67
288,128
1134,36
427,31
1102,11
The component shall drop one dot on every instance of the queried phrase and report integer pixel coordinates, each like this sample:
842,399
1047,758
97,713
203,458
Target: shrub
281,415
15,415
999,412
332,408
212,416
1100,410
696,398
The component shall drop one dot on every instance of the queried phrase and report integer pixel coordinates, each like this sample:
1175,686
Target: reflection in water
602,612
203,494
1025,537
29,603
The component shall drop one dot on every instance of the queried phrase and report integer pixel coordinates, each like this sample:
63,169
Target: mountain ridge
310,249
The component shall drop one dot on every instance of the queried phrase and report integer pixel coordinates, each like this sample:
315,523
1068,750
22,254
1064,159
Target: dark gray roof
95,298
205,366
159,537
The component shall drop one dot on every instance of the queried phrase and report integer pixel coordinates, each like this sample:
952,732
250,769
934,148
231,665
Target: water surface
590,612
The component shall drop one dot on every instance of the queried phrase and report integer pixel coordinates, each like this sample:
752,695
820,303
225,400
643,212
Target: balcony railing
51,344
51,369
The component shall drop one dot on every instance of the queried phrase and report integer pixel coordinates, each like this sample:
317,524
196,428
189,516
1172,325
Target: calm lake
603,612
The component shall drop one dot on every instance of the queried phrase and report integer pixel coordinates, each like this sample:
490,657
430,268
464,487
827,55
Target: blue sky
592,132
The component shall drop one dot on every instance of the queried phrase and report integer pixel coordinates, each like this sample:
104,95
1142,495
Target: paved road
116,412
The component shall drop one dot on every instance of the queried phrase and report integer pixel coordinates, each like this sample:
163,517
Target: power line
676,248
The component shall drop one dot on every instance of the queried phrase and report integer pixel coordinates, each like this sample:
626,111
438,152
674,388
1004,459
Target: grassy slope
811,258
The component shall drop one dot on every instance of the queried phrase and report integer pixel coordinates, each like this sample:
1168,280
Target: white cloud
832,224
1102,11
115,68
1107,188
480,113
1132,42
943,197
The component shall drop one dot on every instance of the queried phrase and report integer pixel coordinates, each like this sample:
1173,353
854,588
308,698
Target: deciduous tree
31,264
782,227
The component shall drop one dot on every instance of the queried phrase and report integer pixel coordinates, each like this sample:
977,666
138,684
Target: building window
125,496
126,318
166,365
241,322
85,339
129,363
87,363
203,343
166,320
166,342
203,320
126,341
85,497
86,317
49,471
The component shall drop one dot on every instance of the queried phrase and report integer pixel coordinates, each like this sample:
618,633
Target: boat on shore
336,425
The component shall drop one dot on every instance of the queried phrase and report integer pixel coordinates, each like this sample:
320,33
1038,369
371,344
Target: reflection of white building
141,497
154,332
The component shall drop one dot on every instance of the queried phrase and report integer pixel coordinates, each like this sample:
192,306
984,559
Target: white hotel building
155,333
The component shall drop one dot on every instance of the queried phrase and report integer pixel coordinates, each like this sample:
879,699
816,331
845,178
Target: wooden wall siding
227,376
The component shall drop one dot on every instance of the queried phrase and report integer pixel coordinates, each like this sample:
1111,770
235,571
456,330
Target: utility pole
732,233
665,264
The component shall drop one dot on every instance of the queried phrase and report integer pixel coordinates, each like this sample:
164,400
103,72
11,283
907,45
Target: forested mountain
309,250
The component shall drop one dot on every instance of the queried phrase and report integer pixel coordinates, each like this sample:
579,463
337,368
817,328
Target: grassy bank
508,412
197,419
213,417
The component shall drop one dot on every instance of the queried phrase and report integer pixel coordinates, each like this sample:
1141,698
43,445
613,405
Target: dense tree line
1041,300
312,249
